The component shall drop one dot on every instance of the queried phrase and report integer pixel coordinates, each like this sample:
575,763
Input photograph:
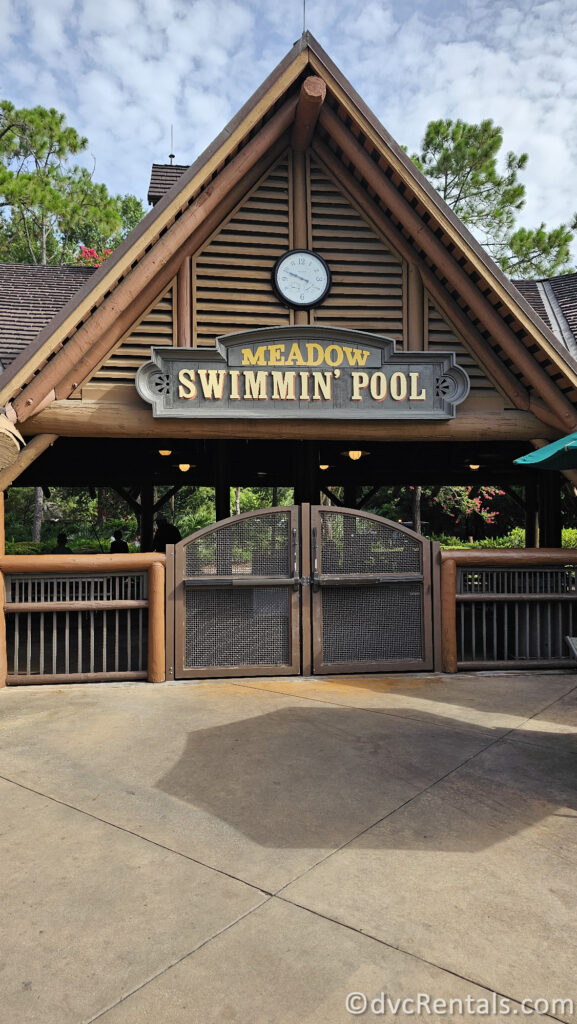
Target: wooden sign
302,373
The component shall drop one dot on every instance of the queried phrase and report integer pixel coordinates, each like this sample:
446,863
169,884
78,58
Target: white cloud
123,71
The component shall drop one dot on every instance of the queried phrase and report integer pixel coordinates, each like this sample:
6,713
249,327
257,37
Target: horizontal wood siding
367,278
231,279
156,327
440,336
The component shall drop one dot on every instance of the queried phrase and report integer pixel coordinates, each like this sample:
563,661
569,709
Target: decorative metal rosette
160,382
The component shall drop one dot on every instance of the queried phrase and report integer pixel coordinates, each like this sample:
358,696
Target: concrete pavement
255,851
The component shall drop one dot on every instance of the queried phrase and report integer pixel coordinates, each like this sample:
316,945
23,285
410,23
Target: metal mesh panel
352,544
227,628
259,546
373,624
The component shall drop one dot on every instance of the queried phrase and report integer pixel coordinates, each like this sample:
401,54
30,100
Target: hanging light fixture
324,466
165,451
474,465
355,454
184,467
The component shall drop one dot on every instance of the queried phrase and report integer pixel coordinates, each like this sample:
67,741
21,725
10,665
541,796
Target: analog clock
301,278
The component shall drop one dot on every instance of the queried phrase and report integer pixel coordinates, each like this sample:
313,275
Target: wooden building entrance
300,590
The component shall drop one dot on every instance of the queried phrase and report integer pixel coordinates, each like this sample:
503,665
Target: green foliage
460,160
48,207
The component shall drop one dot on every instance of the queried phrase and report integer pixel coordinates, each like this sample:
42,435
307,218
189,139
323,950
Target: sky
125,71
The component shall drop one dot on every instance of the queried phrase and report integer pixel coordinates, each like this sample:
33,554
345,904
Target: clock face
301,278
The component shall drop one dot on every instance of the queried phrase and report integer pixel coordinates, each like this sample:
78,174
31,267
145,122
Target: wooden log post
3,651
449,614
531,506
311,99
184,304
156,627
2,525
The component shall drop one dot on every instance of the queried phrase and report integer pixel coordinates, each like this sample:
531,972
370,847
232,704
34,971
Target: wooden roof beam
76,359
311,99
99,419
27,456
456,316
553,397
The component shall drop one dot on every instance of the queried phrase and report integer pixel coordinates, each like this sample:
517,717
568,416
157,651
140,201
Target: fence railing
79,618
508,608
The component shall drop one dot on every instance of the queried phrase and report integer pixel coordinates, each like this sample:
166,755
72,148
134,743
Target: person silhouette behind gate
166,533
118,545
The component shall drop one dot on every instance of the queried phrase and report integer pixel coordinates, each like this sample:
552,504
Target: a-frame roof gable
367,159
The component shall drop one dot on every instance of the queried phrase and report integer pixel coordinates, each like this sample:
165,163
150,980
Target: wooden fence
506,609
82,618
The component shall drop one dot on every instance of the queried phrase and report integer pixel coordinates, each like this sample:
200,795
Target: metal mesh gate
237,606
291,590
371,594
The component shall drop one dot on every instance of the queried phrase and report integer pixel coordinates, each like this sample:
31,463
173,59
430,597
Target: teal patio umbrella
561,454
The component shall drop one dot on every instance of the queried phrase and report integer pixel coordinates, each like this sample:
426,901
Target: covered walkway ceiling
102,462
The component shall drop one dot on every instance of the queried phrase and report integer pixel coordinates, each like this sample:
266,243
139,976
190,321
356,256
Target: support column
221,482
550,511
350,496
146,516
307,488
531,515
2,525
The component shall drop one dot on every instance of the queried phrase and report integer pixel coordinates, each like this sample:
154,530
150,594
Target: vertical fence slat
510,614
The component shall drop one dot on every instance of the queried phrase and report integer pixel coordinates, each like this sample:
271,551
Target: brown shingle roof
29,297
162,178
555,300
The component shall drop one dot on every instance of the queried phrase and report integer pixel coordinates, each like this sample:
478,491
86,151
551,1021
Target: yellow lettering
256,358
315,354
399,387
255,386
276,355
186,385
360,381
294,357
234,392
378,386
337,358
304,395
413,395
323,383
356,356
283,385
212,383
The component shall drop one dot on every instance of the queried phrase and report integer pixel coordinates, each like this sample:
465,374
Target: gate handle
314,573
296,576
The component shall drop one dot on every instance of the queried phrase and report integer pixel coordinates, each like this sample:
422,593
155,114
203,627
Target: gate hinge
305,581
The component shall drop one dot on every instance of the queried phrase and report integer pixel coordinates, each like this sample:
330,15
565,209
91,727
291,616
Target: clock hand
297,275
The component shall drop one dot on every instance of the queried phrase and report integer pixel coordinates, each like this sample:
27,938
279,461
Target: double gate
301,590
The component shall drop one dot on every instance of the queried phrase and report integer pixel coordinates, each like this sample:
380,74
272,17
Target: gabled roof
30,296
162,178
538,371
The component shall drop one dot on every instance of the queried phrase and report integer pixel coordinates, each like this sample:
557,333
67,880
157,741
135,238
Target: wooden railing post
449,614
156,630
3,652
